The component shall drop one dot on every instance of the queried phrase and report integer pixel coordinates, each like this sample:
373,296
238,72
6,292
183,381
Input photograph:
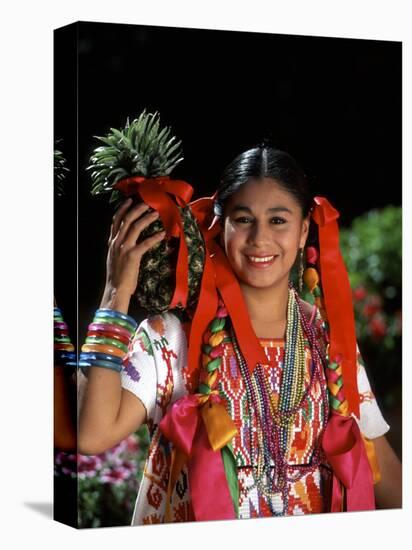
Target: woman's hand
124,254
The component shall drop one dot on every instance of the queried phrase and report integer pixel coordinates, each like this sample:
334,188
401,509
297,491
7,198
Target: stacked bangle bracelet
63,348
107,340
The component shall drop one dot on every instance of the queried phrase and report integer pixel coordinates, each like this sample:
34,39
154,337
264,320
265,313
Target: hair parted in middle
263,161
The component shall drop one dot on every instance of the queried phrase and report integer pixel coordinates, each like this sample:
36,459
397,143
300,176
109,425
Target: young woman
271,461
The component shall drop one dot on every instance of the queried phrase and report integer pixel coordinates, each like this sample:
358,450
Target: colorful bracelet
107,340
63,348
98,363
103,348
114,329
100,339
88,356
110,333
116,317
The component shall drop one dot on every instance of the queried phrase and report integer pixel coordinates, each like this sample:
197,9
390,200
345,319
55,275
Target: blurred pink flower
66,462
359,293
378,327
89,465
61,458
132,444
119,448
116,475
113,453
372,306
130,466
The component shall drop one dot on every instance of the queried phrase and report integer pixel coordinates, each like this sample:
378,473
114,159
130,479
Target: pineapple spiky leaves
143,148
60,171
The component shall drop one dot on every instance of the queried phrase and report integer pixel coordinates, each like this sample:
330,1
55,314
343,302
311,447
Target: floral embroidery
154,496
156,323
152,518
131,371
167,344
144,342
366,397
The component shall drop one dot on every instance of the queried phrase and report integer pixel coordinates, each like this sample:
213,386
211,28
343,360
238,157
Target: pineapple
143,148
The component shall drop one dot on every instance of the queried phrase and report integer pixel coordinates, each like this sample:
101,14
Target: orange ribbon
156,193
337,299
372,458
219,426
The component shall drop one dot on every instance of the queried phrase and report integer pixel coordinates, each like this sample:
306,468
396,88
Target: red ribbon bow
345,452
155,192
184,427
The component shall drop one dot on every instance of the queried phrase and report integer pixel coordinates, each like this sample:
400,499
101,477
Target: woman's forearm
99,410
101,395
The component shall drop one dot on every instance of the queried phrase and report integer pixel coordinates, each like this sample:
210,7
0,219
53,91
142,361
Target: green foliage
60,171
141,148
372,249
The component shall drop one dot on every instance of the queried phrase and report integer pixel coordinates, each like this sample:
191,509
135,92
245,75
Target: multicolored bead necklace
269,443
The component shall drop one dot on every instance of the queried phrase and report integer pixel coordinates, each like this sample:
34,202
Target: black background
333,103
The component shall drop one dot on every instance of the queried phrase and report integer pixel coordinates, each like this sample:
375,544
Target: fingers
149,243
128,217
137,227
117,218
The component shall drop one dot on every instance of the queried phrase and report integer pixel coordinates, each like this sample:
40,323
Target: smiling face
262,233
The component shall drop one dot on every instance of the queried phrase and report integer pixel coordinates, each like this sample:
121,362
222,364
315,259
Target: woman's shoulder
166,325
157,332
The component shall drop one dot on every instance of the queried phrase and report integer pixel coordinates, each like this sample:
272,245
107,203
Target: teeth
266,259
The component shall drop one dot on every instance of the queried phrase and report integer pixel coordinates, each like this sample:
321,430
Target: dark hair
260,162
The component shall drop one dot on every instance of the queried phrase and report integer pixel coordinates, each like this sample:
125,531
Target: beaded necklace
270,442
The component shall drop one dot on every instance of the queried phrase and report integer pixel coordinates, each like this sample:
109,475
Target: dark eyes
276,220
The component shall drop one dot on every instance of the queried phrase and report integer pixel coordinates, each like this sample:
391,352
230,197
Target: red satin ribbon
345,451
337,299
208,298
230,290
183,426
155,192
